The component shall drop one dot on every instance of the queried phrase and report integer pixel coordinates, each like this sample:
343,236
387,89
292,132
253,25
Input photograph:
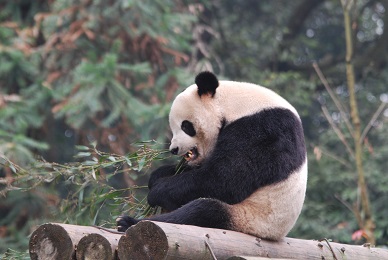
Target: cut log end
145,241
50,241
94,246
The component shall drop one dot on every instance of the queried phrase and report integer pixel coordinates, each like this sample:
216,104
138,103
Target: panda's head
200,111
195,120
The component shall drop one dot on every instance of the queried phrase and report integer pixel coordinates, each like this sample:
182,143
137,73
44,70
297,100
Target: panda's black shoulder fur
264,148
207,83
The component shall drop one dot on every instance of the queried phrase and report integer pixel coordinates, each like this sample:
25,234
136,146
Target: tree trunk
366,223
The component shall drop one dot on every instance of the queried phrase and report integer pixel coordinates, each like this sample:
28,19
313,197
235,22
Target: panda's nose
174,150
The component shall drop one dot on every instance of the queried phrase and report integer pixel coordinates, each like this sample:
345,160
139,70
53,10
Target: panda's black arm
166,171
229,175
173,191
210,181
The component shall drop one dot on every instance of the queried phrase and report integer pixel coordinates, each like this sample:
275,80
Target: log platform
157,240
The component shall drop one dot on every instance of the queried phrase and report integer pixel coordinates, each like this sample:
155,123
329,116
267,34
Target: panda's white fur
257,189
272,211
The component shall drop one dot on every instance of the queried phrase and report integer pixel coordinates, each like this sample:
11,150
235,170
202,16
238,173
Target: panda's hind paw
124,222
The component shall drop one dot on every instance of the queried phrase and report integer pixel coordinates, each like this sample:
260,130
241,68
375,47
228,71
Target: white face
195,124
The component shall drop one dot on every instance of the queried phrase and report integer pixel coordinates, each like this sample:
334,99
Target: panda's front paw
161,172
124,222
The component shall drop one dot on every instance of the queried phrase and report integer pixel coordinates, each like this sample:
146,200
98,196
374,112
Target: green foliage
98,82
95,166
88,196
11,254
89,66
78,72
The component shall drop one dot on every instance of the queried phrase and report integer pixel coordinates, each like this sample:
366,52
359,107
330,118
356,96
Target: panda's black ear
207,83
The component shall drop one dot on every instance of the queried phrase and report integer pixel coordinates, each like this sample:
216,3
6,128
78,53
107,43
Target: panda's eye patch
188,128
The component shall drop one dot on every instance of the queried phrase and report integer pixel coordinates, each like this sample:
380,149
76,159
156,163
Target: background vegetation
83,82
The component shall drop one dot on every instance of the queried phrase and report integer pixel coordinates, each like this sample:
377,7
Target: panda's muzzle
191,155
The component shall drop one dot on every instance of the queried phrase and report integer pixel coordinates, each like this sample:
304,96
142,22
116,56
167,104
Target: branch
337,130
333,156
337,103
371,122
354,210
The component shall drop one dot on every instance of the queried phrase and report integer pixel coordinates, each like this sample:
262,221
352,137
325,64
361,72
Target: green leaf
129,163
94,174
82,154
82,148
94,144
141,163
12,167
88,163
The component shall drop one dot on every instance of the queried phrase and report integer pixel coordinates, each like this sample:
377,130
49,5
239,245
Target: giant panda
246,161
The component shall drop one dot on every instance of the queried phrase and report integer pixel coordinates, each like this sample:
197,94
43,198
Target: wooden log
59,241
95,246
254,258
156,240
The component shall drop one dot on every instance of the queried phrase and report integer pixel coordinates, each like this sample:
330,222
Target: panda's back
240,99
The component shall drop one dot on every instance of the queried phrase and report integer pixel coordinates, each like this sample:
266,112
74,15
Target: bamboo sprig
93,163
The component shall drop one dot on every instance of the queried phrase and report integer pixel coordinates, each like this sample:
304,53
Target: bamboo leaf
82,154
94,174
129,163
141,163
82,148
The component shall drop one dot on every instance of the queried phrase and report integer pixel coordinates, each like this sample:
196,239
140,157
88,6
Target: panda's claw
121,228
125,222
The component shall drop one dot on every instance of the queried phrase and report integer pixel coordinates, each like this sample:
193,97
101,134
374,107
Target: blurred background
85,84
